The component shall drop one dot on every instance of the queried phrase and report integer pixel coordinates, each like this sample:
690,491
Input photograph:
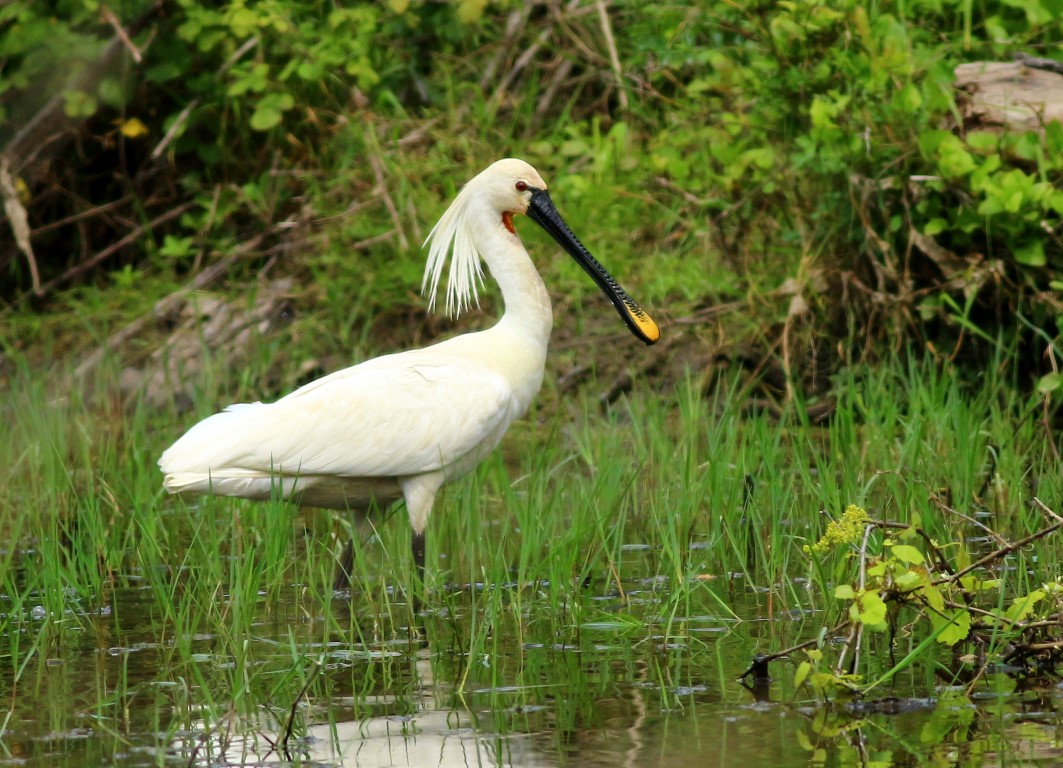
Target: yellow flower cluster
847,530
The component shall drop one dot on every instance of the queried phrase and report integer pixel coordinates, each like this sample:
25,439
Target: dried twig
999,553
290,725
130,238
515,25
182,118
120,32
1044,508
381,181
88,213
557,80
937,502
614,58
175,126
521,62
762,660
361,245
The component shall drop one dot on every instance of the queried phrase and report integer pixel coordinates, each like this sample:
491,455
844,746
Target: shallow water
115,691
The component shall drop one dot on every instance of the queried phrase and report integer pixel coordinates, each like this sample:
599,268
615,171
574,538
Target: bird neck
528,311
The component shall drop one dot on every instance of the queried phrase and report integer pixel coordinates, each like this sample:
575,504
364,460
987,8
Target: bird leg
418,553
420,492
344,565
417,540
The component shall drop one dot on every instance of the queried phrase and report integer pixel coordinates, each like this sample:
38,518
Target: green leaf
957,625
1031,254
908,99
1023,606
111,92
270,109
935,226
78,104
761,157
931,141
934,598
983,141
470,10
956,161
265,118
908,554
802,673
990,206
176,247
1050,382
310,70
872,611
243,22
909,580
844,592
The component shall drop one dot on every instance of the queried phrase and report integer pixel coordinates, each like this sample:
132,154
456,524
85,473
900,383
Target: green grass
653,528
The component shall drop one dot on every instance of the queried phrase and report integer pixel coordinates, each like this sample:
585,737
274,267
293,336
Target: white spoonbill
402,425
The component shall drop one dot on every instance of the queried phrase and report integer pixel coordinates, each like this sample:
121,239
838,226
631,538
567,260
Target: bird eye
521,186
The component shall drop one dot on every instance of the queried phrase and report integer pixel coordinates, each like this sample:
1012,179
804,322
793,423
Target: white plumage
402,425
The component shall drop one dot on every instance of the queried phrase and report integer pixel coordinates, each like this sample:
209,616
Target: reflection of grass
634,537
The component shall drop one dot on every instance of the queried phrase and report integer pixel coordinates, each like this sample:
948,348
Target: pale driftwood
166,306
1010,94
205,323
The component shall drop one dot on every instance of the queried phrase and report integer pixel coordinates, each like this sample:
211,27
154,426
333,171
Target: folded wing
393,416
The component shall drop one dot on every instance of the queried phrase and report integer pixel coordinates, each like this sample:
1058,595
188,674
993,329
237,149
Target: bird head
507,186
504,188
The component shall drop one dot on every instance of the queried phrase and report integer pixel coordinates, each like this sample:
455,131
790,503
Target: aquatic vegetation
639,551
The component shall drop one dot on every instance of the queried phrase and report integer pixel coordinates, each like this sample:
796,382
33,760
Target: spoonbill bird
402,425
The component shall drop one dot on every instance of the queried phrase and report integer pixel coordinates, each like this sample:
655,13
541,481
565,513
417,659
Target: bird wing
392,416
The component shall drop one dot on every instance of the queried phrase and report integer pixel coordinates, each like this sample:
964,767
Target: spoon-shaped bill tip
639,322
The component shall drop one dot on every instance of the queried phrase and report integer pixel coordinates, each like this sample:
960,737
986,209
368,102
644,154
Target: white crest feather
453,234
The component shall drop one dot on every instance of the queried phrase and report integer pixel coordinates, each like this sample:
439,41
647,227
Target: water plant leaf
869,609
934,598
909,579
1023,606
974,584
908,554
953,625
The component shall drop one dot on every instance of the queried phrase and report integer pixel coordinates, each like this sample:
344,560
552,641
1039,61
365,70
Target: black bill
541,210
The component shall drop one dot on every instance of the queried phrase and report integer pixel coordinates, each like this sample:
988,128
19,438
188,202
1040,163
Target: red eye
521,186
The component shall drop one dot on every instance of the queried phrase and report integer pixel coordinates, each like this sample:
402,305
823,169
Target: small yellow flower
133,128
848,530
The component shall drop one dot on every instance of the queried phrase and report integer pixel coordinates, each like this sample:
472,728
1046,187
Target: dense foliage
817,151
